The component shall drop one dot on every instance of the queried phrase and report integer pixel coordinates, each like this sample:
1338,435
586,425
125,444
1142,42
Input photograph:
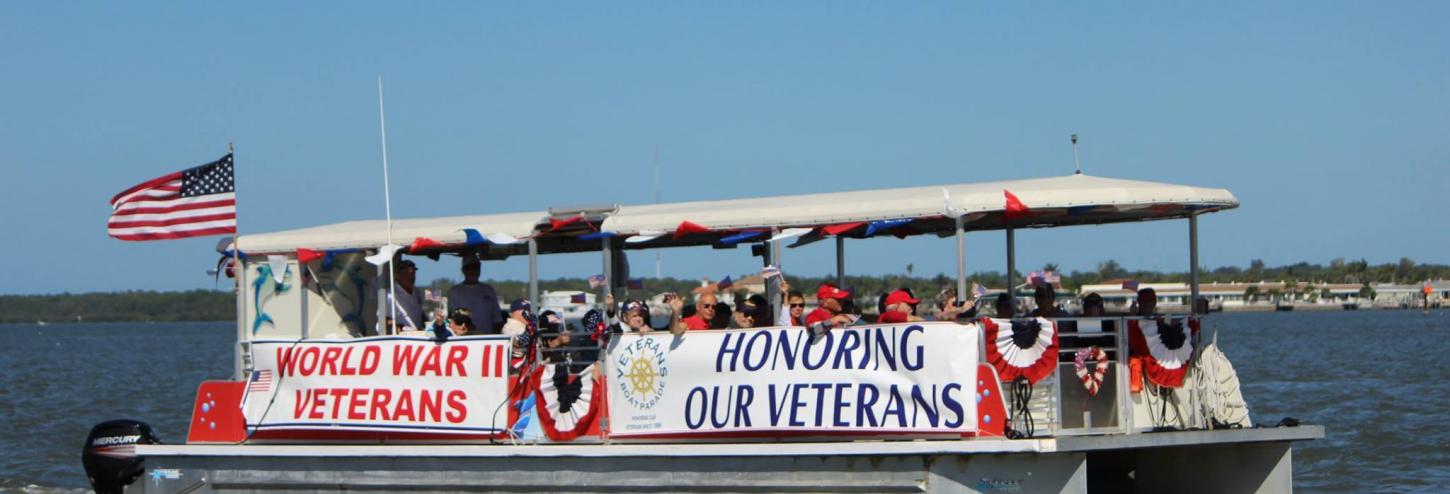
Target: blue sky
1326,119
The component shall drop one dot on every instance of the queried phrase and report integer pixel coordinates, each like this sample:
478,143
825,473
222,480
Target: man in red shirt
704,313
898,308
828,311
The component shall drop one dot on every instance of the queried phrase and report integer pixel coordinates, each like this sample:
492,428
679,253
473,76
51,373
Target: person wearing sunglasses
793,306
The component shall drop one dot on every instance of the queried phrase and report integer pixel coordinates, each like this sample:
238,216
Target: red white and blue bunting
568,403
1021,347
1166,348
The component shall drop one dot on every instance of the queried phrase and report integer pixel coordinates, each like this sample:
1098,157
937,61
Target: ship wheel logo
640,371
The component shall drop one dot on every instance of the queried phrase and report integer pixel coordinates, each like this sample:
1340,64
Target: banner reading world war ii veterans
896,379
384,384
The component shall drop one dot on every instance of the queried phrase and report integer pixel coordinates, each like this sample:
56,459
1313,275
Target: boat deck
1247,460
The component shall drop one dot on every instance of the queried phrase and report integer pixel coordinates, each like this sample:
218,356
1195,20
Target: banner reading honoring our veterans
917,378
384,384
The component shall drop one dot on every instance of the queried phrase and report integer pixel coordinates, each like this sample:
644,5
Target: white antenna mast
657,201
388,206
1075,163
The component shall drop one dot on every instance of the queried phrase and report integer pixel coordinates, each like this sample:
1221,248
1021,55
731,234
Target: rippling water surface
1378,381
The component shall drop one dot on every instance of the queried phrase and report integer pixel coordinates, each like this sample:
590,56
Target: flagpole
388,208
238,274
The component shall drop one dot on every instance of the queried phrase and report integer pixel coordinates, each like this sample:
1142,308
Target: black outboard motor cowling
109,454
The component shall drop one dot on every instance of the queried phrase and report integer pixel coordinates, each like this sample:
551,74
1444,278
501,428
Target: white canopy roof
374,233
915,202
1055,201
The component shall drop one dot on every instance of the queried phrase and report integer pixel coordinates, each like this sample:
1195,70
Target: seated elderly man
898,308
518,321
830,311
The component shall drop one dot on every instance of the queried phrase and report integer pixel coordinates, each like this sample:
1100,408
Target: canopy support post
533,271
1012,267
244,337
772,257
961,260
608,269
1193,263
840,261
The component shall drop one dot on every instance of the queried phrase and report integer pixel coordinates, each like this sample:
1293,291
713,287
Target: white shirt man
409,307
479,298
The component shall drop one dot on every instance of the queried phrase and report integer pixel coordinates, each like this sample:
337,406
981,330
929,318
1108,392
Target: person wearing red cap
828,311
898,308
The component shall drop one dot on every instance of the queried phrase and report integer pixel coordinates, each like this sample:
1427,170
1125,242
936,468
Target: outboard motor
109,454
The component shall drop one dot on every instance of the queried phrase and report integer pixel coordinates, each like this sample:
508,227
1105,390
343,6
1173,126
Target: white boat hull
1247,460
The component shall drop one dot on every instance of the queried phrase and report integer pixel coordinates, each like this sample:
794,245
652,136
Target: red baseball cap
830,291
900,297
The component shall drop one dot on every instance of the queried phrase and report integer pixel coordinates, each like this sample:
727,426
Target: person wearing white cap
479,298
409,308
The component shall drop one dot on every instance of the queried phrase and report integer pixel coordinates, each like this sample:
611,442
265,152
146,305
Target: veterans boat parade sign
908,379
389,384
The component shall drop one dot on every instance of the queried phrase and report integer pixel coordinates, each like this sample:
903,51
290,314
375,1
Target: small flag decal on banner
260,382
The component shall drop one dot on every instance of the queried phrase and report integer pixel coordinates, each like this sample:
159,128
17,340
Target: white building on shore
1230,295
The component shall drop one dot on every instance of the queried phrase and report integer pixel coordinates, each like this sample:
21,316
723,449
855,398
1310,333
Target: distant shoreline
131,306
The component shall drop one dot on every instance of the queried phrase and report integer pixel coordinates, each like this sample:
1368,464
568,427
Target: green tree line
129,306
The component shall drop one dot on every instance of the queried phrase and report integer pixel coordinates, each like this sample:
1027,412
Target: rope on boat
276,388
1021,391
1221,400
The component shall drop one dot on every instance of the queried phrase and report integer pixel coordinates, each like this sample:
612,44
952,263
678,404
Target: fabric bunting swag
1021,347
1165,347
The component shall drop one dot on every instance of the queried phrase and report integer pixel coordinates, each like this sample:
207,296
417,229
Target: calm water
1376,380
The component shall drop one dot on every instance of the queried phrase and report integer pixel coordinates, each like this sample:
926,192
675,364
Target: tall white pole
657,201
388,208
239,270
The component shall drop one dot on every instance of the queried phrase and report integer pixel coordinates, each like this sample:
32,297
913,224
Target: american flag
261,381
190,203
770,272
596,281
